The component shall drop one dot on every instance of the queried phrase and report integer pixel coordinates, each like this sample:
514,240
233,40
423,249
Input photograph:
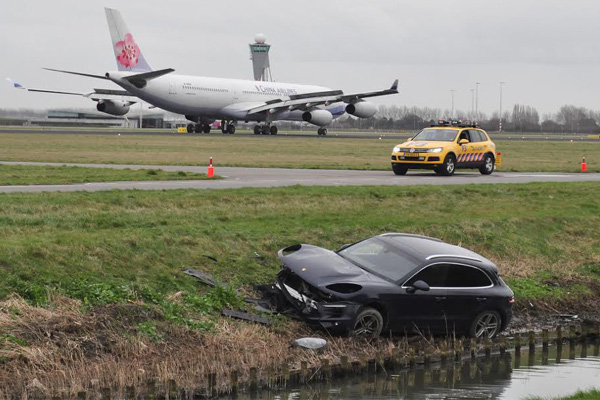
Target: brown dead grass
69,351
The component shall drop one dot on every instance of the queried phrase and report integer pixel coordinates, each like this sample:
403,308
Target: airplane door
172,88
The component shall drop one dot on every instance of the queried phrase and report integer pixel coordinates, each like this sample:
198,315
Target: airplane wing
96,95
308,100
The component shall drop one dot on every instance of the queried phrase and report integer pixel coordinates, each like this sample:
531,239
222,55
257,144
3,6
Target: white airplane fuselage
220,98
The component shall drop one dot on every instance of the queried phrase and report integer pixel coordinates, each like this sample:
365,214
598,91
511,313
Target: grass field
53,175
592,394
268,151
116,246
106,303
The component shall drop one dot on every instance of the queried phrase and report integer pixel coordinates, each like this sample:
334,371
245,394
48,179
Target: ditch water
559,371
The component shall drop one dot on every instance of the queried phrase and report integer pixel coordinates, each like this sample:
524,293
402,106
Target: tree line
522,118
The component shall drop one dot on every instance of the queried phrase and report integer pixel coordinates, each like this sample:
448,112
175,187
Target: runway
236,178
307,134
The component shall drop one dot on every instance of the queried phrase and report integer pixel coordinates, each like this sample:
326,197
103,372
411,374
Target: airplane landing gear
198,128
227,127
266,129
322,131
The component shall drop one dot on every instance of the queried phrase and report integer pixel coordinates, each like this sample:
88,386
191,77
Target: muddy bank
62,350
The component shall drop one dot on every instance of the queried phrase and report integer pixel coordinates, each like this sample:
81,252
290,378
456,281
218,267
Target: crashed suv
398,283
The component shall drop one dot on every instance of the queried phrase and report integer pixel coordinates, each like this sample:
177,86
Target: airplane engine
113,107
318,117
361,109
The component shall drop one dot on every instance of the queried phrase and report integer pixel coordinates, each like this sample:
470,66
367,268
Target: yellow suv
445,147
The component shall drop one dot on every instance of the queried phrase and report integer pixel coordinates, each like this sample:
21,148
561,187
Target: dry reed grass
69,351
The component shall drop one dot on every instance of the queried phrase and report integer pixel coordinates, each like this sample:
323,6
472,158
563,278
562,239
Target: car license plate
411,155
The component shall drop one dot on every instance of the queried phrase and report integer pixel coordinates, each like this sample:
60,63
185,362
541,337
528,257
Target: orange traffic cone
583,165
211,169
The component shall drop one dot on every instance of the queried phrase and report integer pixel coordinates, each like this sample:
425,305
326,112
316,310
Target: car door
479,147
420,310
468,291
463,150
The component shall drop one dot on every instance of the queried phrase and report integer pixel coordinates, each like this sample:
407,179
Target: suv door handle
481,299
440,298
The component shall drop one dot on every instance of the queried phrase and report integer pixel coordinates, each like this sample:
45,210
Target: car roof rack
463,123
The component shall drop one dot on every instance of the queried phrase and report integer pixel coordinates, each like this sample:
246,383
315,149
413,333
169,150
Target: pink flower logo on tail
128,51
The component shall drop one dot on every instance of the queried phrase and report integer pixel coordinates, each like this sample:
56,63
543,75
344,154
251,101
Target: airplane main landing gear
265,129
198,128
227,127
322,131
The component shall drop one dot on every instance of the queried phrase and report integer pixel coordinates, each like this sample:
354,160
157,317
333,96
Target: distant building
69,117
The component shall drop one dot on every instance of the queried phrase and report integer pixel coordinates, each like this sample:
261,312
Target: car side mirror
463,141
418,285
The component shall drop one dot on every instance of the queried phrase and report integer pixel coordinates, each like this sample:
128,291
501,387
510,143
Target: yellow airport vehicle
444,147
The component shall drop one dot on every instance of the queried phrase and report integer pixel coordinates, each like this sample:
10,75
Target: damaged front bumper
316,307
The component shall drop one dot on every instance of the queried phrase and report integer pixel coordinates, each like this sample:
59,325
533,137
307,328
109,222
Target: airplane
202,100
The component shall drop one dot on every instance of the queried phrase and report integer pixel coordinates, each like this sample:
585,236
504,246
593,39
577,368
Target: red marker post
211,169
583,165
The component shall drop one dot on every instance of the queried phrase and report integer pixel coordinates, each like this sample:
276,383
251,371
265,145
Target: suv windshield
379,258
440,135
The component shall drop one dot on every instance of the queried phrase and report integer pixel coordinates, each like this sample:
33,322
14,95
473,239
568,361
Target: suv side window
476,136
452,276
433,275
464,135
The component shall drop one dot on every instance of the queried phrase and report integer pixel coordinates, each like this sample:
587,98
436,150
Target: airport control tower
259,54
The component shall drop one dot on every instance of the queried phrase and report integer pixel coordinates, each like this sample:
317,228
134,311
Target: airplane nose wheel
322,131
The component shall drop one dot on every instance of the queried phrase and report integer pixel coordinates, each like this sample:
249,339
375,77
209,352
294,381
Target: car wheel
449,165
488,165
486,324
368,323
399,169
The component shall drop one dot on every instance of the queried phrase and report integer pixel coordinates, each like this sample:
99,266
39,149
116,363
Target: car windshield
440,135
380,258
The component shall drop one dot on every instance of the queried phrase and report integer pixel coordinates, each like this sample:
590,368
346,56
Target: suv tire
449,166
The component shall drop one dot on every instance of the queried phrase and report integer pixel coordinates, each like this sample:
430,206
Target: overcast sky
547,52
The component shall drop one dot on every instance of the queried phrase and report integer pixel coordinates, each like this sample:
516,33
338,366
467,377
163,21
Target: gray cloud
546,51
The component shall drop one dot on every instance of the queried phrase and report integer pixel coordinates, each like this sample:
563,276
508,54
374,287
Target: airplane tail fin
128,55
